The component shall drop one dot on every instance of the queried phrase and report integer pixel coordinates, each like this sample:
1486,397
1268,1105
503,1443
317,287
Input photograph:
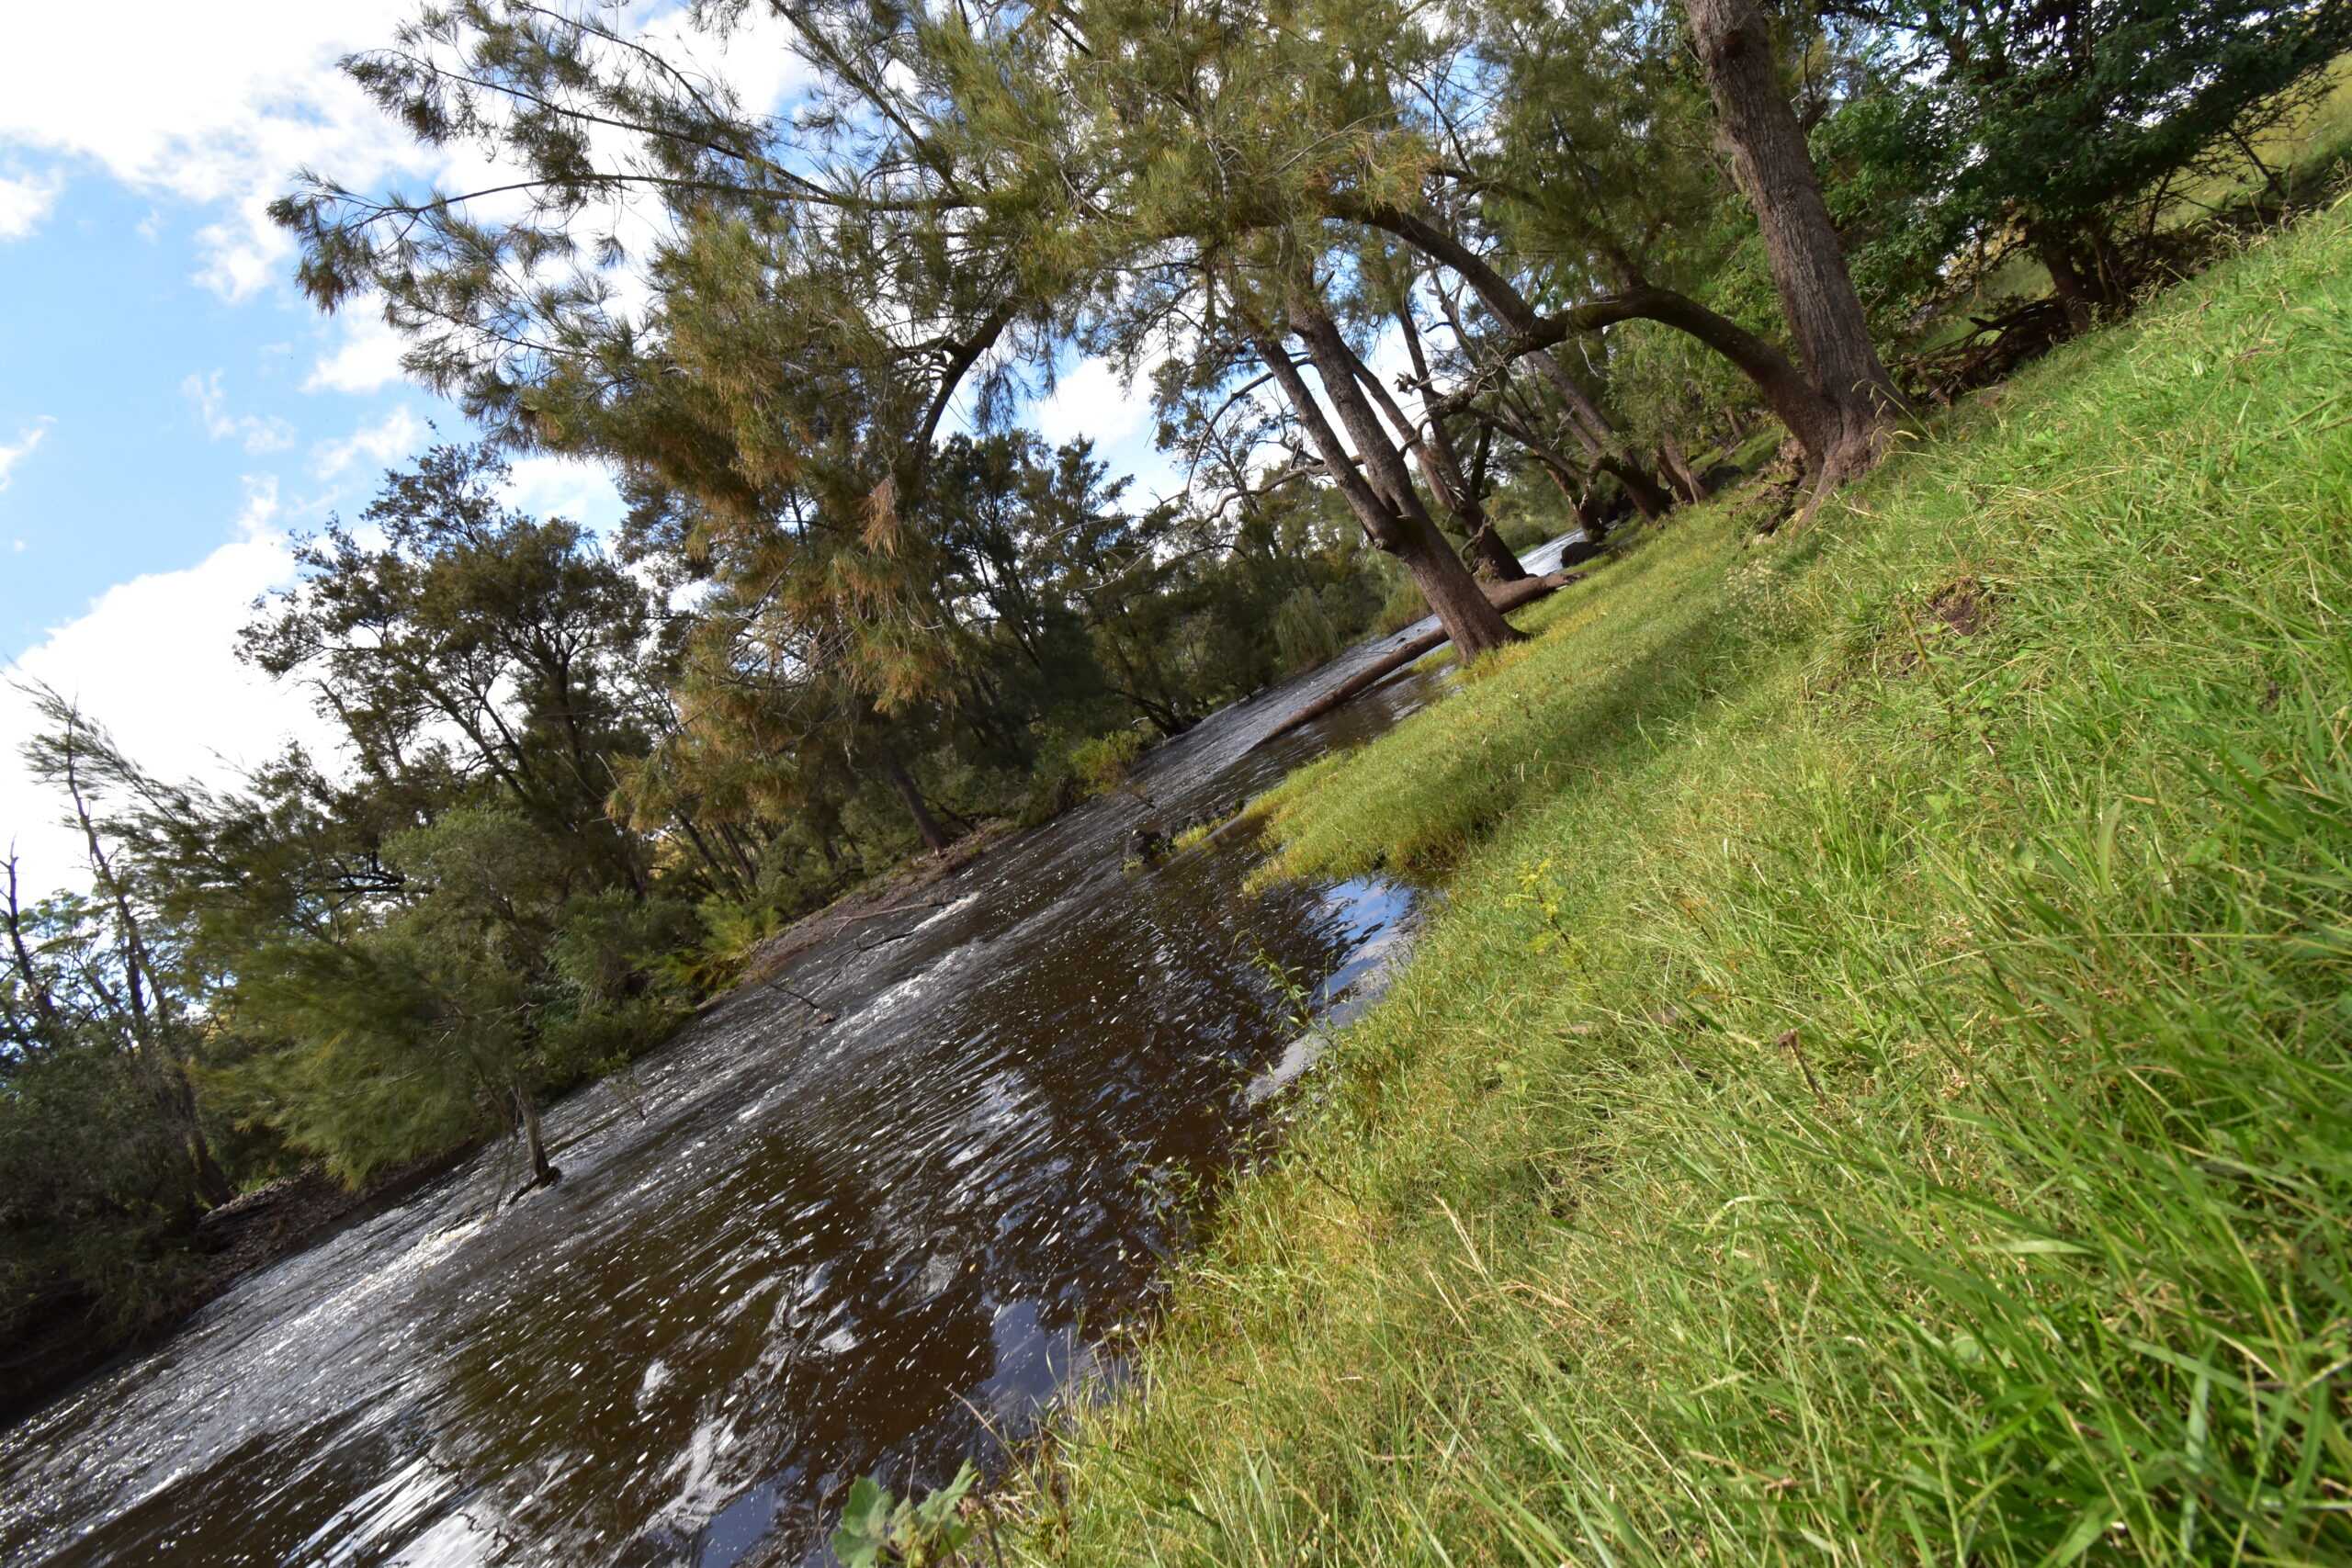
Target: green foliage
2074,127
399,1048
1101,764
605,944
92,1188
875,1530
1314,626
1400,607
1876,1086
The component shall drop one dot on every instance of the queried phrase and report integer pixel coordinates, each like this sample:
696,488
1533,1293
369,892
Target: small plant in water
1293,991
1171,1193
877,1529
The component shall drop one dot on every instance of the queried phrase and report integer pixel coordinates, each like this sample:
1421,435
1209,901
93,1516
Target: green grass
1877,1089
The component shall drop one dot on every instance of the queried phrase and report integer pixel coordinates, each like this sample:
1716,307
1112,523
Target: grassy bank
1877,1090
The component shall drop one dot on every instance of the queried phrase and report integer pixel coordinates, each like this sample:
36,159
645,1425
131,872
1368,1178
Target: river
787,1251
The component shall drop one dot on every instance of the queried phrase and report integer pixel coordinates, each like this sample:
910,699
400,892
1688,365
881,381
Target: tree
472,645
2072,126
436,1020
1768,152
1382,495
126,992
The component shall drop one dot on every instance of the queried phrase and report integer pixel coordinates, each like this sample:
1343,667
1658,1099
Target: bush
1308,632
609,945
1101,764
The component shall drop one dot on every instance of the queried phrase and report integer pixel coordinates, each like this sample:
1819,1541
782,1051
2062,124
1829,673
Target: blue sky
154,405
172,411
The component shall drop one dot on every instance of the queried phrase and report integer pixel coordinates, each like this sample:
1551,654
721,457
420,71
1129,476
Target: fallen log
1505,596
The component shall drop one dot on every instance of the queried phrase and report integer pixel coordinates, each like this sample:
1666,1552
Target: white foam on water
967,901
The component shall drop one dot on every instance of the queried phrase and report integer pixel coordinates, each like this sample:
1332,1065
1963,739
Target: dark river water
789,1254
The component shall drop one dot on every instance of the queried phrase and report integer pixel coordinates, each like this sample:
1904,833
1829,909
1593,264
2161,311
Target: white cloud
1090,401
21,547
223,113
154,660
368,357
241,253
395,435
565,487
256,433
25,200
22,448
207,112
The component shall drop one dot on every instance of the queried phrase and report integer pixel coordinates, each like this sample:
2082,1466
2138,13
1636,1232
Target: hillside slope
1878,1089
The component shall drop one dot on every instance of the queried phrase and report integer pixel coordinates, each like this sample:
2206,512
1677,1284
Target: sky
173,414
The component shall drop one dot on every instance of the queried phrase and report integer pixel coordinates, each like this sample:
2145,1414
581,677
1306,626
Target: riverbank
1878,1084
50,1350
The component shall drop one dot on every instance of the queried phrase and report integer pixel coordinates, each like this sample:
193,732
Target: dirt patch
1961,607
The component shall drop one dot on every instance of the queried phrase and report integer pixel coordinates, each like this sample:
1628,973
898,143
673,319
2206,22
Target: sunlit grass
1876,1089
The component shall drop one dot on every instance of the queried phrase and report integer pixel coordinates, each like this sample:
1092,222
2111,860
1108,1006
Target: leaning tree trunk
1770,159
1496,559
934,837
1404,529
1783,385
535,1149
1570,497
1593,429
1677,465
212,1183
1442,466
2071,256
1459,488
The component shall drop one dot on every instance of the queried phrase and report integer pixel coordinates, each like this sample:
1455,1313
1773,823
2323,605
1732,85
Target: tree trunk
1769,156
934,837
535,1149
2079,282
1783,386
1685,478
1403,530
741,857
1458,488
722,879
1495,559
1649,497
1568,496
1594,430
212,1183
1508,596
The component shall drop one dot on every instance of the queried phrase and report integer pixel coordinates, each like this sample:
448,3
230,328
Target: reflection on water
800,1253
